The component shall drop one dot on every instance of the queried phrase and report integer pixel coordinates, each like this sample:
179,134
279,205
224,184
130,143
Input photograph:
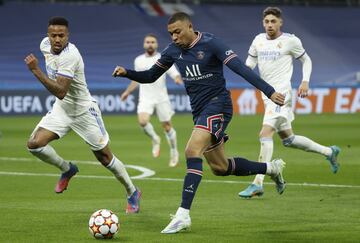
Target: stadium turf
317,206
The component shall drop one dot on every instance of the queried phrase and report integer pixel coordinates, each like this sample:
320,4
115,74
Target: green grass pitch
317,206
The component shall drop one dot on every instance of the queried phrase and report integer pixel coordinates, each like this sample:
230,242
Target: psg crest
200,55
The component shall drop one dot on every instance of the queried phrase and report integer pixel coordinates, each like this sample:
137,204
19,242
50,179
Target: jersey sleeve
68,63
297,50
222,51
252,49
166,60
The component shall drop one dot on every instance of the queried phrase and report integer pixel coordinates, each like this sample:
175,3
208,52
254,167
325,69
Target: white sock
182,212
149,130
266,151
49,155
306,144
270,170
171,138
118,169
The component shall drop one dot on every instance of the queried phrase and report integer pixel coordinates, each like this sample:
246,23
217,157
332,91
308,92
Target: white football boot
178,223
276,175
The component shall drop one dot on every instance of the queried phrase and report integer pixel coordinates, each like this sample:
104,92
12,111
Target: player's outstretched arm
240,68
132,86
148,76
58,87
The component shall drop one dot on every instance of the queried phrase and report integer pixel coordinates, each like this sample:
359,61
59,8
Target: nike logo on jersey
229,52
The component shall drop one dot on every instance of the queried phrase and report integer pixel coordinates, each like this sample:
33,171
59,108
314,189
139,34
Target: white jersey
154,92
275,59
68,63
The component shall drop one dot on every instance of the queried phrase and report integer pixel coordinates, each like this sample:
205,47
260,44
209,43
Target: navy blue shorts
214,118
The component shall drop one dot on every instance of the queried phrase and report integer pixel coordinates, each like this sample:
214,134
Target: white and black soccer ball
104,224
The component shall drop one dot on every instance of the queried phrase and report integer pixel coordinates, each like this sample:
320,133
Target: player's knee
34,144
287,142
166,126
265,134
143,123
261,135
191,152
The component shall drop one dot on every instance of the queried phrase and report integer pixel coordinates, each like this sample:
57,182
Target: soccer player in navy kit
200,58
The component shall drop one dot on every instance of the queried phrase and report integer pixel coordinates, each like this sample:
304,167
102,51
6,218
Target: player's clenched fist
278,98
119,71
31,61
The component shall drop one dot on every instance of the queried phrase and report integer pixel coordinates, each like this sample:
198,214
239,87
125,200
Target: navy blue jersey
201,68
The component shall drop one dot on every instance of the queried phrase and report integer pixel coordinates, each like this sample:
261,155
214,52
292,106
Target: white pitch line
13,173
145,172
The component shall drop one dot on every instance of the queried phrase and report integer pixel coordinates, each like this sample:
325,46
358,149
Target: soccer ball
103,224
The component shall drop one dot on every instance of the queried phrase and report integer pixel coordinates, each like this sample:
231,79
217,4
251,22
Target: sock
149,130
182,212
171,138
49,155
191,181
118,169
306,144
271,169
243,167
266,151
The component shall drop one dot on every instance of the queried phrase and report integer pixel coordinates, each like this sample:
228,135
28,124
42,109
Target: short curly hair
58,20
273,11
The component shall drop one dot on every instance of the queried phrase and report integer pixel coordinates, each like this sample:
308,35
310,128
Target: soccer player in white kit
273,52
74,109
154,97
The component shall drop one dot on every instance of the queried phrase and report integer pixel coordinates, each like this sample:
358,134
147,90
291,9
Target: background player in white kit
74,109
274,51
154,97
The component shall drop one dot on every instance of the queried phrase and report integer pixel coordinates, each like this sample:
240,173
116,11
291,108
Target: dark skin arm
58,87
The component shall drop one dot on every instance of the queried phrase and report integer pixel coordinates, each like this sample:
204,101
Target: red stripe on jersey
196,40
209,121
161,65
197,172
229,58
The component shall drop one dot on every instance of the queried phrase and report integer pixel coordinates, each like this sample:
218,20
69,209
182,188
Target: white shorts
278,117
164,110
89,125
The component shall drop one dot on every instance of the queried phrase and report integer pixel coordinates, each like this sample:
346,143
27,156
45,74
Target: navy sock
243,167
191,181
